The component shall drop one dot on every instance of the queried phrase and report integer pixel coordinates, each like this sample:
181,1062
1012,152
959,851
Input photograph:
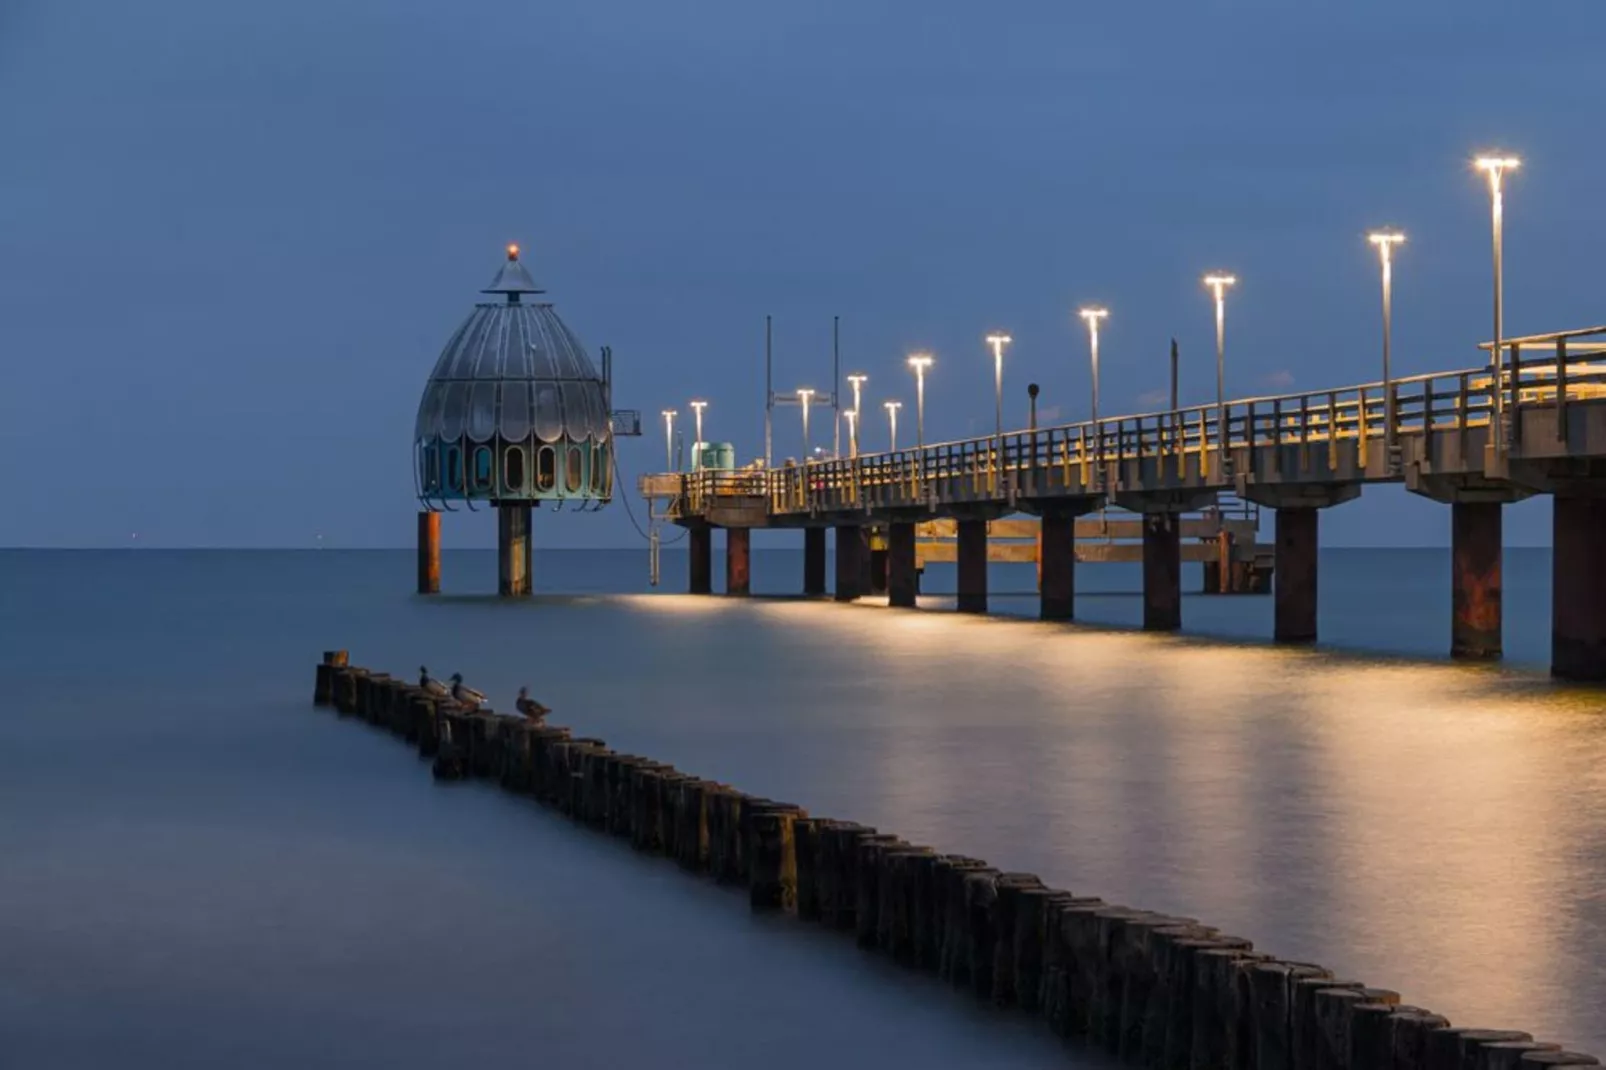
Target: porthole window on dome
482,468
575,470
454,468
513,470
546,469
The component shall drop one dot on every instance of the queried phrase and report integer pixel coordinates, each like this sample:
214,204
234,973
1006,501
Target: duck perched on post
466,695
432,687
531,709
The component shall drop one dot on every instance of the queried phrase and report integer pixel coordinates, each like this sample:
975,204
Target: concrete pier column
429,553
1578,589
513,549
972,557
1475,580
738,561
1162,572
879,551
1294,586
850,562
1056,570
902,579
700,550
814,561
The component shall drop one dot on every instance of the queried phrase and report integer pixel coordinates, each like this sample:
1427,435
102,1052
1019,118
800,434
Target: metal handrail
1441,401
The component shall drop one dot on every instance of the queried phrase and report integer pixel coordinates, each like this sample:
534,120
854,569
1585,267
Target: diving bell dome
514,410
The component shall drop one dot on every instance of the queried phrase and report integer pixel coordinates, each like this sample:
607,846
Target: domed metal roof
513,370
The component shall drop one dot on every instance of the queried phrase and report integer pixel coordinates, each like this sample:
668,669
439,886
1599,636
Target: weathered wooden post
772,853
1006,909
323,685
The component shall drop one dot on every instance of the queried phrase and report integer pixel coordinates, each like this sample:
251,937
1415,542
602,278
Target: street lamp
1092,316
1496,167
1386,240
998,342
697,447
892,408
858,381
1218,284
920,362
803,396
669,439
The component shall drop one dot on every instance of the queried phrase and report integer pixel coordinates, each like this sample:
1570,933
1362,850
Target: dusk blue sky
234,237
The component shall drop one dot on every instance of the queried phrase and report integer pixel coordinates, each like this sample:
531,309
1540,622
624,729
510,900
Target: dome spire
512,279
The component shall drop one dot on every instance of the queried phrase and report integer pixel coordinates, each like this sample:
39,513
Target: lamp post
1496,167
803,396
669,440
852,417
1092,316
998,342
1386,240
697,447
857,381
892,408
1218,284
920,362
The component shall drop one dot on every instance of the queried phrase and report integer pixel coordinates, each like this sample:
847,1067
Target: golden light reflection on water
1422,826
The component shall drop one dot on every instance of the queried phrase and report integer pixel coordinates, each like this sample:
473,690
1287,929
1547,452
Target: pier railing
1197,442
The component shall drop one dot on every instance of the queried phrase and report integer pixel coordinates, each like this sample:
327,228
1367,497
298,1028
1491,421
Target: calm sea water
200,870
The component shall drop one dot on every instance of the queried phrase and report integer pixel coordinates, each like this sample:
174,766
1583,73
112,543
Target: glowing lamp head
1494,164
858,380
804,393
1219,282
920,361
670,414
1093,315
513,252
699,406
892,406
1385,238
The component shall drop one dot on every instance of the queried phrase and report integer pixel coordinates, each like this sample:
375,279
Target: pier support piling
851,554
1294,585
902,579
429,553
1162,572
1056,557
879,555
1578,589
738,561
700,554
814,562
1475,580
972,560
513,549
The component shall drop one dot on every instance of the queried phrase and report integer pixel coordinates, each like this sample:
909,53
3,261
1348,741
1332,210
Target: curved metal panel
548,418
515,419
482,411
454,411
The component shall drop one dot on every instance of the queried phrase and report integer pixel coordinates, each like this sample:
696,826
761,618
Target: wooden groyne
1152,990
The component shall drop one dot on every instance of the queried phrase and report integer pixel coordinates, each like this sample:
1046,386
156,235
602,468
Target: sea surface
198,869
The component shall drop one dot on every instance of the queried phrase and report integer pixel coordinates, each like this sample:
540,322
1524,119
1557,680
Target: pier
1533,421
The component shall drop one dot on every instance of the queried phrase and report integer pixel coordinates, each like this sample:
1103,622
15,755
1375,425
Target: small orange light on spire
513,252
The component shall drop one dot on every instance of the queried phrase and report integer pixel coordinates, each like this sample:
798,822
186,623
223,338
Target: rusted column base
902,579
513,549
429,553
738,561
1162,572
1294,593
850,562
700,554
1578,589
814,562
1056,576
1475,580
972,566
